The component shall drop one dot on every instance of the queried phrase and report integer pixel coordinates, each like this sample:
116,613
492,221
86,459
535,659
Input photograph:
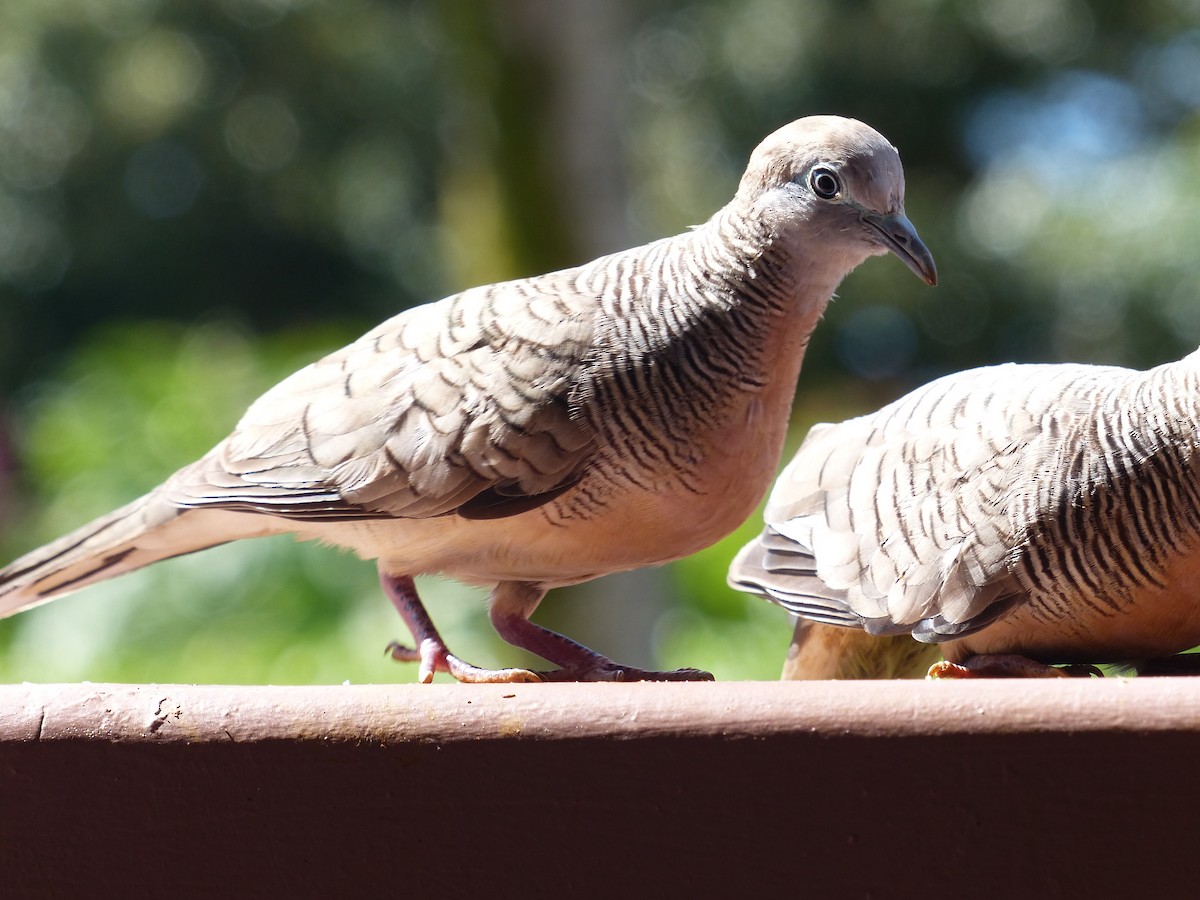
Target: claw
400,652
1081,670
440,660
1007,666
434,657
610,671
578,662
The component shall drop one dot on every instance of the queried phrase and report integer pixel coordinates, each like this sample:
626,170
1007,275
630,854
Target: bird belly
537,546
606,523
1150,622
563,542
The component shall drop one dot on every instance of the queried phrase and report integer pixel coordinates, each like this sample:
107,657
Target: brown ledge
823,789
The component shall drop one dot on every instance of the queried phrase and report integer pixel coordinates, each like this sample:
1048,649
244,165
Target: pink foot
434,657
577,662
1007,666
430,650
607,670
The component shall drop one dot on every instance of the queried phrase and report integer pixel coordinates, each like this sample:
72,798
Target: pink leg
511,605
578,663
1007,665
430,651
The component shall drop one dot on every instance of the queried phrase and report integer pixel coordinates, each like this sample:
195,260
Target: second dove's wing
909,519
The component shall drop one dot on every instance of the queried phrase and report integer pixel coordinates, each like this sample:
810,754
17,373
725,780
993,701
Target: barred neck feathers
703,332
712,291
1147,414
685,322
687,326
1169,395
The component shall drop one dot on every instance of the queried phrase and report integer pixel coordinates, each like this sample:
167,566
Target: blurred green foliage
198,197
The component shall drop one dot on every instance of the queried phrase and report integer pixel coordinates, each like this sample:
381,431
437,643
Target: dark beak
898,235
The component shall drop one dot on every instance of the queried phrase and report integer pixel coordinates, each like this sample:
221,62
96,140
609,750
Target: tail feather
149,529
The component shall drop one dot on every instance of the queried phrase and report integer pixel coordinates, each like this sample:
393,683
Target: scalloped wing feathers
912,518
425,412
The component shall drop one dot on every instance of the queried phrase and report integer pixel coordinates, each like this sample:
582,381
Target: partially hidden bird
820,652
1018,516
544,431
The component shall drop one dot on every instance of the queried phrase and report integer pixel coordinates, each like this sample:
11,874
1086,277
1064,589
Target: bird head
838,182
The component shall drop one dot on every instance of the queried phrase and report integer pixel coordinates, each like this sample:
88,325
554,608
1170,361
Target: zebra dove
544,431
1018,516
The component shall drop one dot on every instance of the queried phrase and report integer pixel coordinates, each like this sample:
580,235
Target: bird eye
824,182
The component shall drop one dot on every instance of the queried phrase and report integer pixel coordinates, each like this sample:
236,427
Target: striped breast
684,351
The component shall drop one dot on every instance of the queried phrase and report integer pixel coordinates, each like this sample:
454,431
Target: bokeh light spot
262,133
150,80
877,342
163,179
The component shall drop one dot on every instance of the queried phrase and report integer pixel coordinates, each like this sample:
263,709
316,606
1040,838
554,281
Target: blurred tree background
196,198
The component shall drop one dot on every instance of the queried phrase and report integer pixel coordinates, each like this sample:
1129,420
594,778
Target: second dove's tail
149,529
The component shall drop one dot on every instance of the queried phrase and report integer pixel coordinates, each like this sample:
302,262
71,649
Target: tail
149,529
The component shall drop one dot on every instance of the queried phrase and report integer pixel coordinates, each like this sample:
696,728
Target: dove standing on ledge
544,431
1018,515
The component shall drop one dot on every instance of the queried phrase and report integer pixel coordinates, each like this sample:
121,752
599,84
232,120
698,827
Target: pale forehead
865,156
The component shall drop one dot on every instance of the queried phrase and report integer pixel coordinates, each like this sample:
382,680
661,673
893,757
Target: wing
909,519
458,404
